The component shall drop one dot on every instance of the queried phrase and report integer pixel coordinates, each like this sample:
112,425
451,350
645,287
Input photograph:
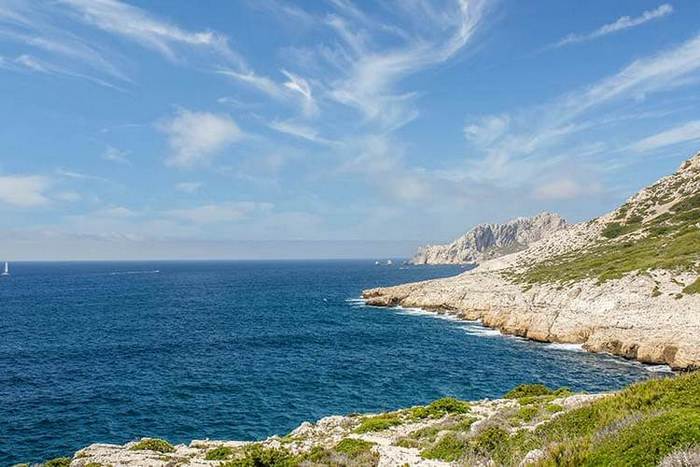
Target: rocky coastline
625,283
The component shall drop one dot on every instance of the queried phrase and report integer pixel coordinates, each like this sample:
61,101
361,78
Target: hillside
647,424
625,283
486,241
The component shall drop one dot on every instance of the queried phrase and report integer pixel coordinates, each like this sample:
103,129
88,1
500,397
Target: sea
108,352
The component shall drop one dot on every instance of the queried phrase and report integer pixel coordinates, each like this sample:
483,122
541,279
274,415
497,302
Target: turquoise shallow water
108,352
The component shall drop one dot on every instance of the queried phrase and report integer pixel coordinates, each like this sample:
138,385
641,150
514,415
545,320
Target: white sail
7,269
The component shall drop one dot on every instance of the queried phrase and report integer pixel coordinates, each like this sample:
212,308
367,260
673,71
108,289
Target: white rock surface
487,241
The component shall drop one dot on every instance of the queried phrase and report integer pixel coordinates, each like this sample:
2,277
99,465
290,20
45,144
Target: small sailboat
6,272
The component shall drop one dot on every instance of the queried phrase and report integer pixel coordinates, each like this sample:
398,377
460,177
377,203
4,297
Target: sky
172,129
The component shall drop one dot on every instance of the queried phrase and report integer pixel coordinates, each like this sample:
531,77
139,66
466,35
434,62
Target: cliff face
626,283
486,241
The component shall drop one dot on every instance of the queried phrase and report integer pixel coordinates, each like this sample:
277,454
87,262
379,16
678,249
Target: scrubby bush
378,423
449,448
58,462
440,407
257,455
219,454
153,444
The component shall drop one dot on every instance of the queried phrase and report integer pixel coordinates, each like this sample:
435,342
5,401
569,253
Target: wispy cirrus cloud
196,137
685,133
536,136
622,23
300,131
373,73
29,63
147,30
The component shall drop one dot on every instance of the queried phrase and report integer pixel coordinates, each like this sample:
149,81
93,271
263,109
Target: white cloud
196,137
300,131
622,23
487,130
145,29
29,63
35,25
113,154
299,85
261,83
565,188
24,190
188,187
689,131
372,73
215,213
538,136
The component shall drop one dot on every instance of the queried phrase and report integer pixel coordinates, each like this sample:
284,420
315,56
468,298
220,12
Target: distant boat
389,262
6,272
376,262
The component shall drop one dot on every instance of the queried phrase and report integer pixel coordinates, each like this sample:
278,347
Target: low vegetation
652,423
58,462
219,454
153,444
668,241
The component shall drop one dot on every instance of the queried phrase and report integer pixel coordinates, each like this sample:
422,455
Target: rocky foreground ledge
656,422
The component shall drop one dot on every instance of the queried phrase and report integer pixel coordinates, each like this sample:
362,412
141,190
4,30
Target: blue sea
111,351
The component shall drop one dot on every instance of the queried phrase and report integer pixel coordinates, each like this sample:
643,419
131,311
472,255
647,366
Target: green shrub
153,444
440,407
449,448
58,462
644,443
554,408
693,288
528,390
219,454
257,455
353,447
490,440
378,423
527,413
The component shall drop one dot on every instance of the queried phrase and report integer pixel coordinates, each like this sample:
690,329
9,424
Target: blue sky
273,129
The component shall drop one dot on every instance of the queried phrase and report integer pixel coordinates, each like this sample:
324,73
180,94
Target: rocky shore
626,283
656,422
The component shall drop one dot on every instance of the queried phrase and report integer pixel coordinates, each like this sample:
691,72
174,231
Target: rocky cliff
486,241
625,283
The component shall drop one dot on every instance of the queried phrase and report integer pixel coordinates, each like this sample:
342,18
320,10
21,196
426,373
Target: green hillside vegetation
668,241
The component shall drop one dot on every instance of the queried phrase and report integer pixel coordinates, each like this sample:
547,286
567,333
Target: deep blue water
108,352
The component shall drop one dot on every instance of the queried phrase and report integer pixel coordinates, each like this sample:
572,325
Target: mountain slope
625,283
486,241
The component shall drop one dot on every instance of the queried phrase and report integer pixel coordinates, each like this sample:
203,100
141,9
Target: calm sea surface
109,352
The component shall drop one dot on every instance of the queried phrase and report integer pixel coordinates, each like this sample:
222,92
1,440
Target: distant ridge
487,241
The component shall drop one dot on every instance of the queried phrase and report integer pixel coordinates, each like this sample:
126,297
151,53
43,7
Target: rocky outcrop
486,241
578,285
397,445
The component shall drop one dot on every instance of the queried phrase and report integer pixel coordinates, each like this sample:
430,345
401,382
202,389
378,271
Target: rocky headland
626,283
488,241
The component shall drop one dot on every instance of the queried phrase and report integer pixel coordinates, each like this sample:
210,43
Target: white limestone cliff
486,241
